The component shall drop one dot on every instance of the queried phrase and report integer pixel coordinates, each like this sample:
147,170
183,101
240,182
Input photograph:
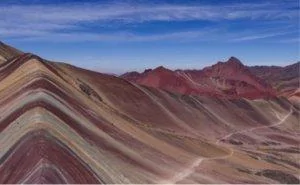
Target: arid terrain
226,123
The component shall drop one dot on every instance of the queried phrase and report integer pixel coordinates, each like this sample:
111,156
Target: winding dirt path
188,171
282,120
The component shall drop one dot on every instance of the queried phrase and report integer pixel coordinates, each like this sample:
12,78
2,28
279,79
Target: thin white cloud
289,40
68,13
261,36
117,37
52,22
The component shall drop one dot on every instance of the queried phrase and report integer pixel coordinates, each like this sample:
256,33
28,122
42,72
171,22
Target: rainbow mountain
63,124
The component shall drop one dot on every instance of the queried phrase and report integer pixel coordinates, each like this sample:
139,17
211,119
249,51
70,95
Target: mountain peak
232,64
234,61
8,52
147,70
161,69
132,76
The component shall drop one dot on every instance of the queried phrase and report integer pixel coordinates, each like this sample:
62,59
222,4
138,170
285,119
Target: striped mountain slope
63,124
7,52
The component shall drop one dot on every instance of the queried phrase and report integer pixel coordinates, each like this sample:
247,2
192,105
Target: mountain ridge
221,74
63,124
7,52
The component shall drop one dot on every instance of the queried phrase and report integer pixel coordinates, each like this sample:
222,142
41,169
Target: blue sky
117,36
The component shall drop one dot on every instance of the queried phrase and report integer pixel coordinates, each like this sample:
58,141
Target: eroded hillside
63,124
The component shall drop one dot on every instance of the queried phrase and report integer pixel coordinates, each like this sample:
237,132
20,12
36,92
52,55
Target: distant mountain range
230,79
227,123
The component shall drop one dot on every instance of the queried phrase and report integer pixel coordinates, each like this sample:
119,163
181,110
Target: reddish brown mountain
286,80
230,79
164,79
60,124
7,52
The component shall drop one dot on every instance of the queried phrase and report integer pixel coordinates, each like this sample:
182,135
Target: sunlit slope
62,124
7,52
